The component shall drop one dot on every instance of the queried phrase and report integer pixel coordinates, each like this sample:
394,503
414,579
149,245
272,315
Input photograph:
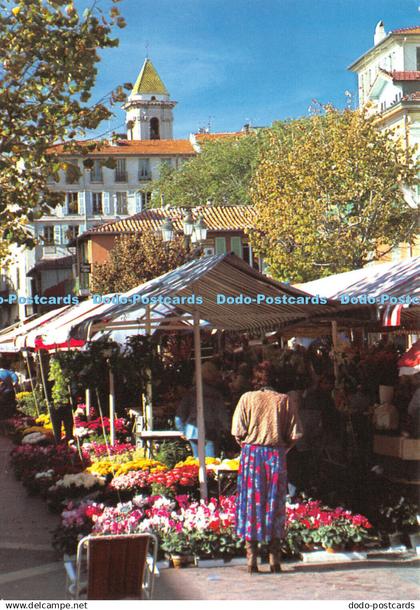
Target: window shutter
131,202
139,200
81,203
64,236
106,200
220,244
65,207
113,207
236,246
57,234
88,203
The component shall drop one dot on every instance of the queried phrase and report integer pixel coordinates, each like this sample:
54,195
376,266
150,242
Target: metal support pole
111,407
44,384
202,476
335,344
88,403
149,392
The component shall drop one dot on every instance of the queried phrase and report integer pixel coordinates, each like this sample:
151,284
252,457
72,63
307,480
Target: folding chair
113,567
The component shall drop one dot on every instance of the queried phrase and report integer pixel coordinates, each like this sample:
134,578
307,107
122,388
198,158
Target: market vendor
215,415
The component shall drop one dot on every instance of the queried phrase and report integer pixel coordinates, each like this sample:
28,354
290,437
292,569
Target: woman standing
266,425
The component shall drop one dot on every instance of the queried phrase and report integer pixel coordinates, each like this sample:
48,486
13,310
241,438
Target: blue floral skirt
262,487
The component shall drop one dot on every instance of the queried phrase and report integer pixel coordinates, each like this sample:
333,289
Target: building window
121,200
48,236
236,246
121,171
146,198
418,59
96,174
220,245
97,203
144,169
72,172
72,203
72,232
154,129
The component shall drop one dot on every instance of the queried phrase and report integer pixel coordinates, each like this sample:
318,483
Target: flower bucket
181,561
386,393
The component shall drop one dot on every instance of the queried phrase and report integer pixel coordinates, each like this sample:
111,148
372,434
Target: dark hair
264,375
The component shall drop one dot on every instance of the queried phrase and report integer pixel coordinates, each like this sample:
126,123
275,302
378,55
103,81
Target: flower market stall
116,488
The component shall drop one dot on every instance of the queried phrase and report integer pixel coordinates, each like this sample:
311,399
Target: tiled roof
217,218
202,137
407,75
135,147
411,30
149,81
51,264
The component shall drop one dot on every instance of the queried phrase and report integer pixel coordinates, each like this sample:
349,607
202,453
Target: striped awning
228,294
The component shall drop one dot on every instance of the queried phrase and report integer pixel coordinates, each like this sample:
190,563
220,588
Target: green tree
135,259
49,53
328,195
221,173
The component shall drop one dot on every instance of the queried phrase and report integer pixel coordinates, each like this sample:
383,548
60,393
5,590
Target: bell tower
148,107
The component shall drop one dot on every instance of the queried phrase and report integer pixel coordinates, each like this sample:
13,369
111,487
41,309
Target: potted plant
176,545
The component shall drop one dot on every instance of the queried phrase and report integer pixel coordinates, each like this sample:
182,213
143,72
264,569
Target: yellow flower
40,429
16,10
192,461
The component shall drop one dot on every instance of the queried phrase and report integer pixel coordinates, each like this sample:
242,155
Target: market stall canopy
395,288
409,363
14,337
228,293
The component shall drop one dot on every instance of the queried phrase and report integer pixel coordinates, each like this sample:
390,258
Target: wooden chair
113,567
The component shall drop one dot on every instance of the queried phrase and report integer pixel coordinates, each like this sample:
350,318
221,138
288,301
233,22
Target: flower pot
396,539
386,393
181,561
415,542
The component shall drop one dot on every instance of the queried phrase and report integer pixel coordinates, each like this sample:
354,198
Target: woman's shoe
275,568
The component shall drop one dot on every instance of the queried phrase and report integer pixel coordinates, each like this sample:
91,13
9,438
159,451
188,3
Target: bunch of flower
141,464
192,461
184,476
76,521
98,450
27,460
44,420
131,481
97,426
81,479
309,523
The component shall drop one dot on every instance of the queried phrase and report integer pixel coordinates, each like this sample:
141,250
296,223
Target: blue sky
236,61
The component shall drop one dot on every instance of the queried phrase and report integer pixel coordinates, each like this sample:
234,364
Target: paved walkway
29,568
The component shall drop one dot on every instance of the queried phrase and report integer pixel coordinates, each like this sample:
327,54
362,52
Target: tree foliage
136,259
221,173
328,194
49,54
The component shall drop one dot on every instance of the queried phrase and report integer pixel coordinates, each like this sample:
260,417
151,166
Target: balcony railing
145,175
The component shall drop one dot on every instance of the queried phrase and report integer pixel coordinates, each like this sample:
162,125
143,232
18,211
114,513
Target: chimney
380,33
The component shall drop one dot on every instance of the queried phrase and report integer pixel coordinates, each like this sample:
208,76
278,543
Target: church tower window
154,129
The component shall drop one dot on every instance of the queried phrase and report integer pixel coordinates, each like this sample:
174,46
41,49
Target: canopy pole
44,384
28,366
334,334
149,390
202,476
111,407
88,403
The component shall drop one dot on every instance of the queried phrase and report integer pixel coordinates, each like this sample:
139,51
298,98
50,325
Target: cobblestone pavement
350,583
29,568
